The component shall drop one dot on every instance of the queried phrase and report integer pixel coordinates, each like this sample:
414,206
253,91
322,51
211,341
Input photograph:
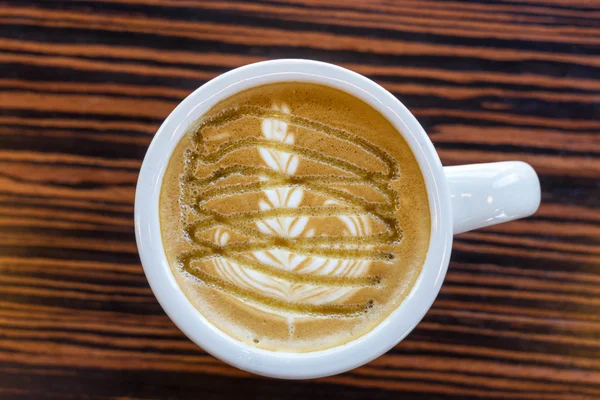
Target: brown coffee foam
393,172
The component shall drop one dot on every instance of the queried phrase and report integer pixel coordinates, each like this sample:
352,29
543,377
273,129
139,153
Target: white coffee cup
460,198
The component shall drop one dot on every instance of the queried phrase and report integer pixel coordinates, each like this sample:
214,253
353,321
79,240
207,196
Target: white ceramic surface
488,194
460,198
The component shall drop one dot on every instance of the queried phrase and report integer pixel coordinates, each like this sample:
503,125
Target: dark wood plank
85,84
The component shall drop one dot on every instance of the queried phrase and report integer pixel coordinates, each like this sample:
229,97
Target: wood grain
85,84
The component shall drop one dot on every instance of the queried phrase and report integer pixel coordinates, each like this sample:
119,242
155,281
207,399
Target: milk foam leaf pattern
286,266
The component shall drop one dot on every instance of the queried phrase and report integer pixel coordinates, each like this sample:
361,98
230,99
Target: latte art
276,222
301,273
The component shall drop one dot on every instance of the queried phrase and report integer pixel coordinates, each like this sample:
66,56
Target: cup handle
489,194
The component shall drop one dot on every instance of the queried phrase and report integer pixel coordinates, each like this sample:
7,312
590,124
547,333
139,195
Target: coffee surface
294,217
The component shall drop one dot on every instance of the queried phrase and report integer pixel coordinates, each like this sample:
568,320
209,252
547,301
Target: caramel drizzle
289,276
297,244
235,114
340,247
324,310
280,179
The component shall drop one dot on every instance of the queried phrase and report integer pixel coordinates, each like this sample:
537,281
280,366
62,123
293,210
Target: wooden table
85,85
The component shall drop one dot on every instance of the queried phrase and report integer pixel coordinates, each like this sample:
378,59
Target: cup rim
202,332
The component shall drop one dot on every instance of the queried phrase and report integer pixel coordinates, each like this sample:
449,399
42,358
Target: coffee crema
294,217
